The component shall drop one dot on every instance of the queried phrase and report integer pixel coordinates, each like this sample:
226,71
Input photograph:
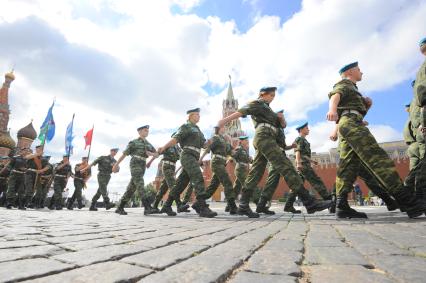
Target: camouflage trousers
168,182
220,176
41,192
415,154
15,188
77,195
3,190
136,184
30,188
59,185
191,172
308,174
359,148
240,179
267,150
188,194
103,180
417,178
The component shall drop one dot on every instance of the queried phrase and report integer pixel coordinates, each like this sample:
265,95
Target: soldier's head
351,72
4,159
303,129
24,150
422,45
407,107
143,131
39,149
84,160
244,141
219,130
267,94
113,151
193,115
65,158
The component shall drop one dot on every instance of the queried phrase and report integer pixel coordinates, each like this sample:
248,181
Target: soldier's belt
169,162
77,178
17,171
266,125
193,148
32,170
60,176
3,178
46,176
350,111
218,156
243,164
139,157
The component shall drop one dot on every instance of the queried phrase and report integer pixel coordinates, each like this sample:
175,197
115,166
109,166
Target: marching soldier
34,165
139,149
105,164
221,148
80,180
358,147
242,159
16,182
191,140
267,149
4,174
46,179
168,166
62,173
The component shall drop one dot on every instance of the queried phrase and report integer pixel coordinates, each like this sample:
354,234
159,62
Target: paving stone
345,273
95,255
275,262
251,277
334,255
102,272
27,268
403,268
89,244
321,241
284,245
163,257
20,243
25,252
75,238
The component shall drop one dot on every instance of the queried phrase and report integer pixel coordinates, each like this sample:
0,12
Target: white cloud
119,64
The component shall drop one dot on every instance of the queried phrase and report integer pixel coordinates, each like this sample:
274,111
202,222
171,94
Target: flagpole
90,148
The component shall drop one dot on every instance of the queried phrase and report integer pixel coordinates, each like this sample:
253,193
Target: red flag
88,138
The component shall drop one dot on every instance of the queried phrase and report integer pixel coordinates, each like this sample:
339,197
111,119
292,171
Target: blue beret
66,155
143,127
302,126
267,89
84,158
38,146
280,111
407,105
46,157
241,138
114,149
422,42
347,67
413,83
195,110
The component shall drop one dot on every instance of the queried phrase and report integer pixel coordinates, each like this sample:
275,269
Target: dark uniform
105,164
267,149
4,175
168,166
220,149
242,159
45,182
32,180
16,182
79,184
59,183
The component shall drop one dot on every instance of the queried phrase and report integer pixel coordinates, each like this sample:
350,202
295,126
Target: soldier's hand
422,129
221,123
160,150
299,166
114,168
148,165
200,162
368,102
365,123
332,116
294,145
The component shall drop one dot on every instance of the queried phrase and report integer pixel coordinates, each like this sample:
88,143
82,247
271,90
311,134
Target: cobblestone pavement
82,246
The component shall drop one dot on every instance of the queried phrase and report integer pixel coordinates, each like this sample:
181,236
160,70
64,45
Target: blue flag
47,129
69,137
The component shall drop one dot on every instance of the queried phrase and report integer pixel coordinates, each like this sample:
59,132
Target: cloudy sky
119,64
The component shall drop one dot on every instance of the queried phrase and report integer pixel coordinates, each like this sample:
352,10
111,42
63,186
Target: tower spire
230,95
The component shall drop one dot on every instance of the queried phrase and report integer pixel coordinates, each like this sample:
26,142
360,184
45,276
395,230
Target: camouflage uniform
59,183
267,149
137,148
45,182
105,164
3,183
188,194
220,149
358,147
307,172
168,166
242,159
16,182
79,184
31,177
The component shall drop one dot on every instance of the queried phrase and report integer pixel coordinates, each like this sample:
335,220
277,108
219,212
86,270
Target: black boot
244,207
203,209
167,207
70,204
311,204
80,205
93,207
120,209
262,208
181,207
414,207
28,202
148,209
289,204
343,210
21,204
332,208
109,205
232,207
9,203
227,208
156,202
